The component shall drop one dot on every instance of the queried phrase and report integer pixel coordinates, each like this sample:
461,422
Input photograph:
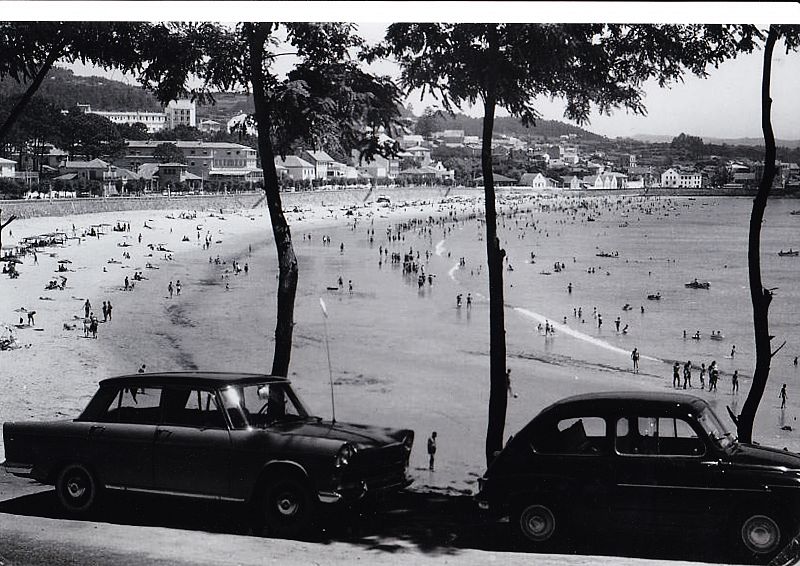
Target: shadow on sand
434,523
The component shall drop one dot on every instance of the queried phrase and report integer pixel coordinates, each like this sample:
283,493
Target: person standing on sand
703,376
508,384
170,289
782,396
733,351
635,358
105,312
676,378
687,374
178,287
431,450
616,323
735,382
713,376
93,325
108,307
87,306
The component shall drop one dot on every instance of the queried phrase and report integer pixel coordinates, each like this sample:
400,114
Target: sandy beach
402,354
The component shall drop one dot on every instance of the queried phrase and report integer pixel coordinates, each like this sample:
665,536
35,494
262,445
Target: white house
321,162
421,153
8,168
674,178
536,181
296,168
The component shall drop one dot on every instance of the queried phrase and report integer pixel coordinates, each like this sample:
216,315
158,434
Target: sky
724,105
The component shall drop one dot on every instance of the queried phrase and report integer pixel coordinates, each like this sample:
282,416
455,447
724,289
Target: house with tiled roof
297,168
320,160
8,168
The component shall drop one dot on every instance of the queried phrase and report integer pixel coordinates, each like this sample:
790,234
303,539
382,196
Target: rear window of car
575,435
133,405
193,408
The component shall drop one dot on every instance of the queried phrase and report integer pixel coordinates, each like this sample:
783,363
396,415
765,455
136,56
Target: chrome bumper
17,469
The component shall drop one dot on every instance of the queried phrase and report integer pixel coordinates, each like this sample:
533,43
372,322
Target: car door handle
163,433
712,463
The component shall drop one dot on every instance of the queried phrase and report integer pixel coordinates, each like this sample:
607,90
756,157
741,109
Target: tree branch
16,112
778,349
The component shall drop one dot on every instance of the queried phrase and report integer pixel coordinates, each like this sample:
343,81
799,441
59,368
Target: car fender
277,466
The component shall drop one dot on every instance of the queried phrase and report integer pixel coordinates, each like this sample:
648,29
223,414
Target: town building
411,140
538,181
420,153
297,168
681,179
210,161
177,112
320,160
8,168
209,126
181,113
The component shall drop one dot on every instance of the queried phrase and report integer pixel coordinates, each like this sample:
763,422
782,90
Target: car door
192,444
122,441
662,479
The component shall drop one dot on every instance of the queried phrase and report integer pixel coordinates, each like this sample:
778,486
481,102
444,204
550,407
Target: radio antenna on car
328,351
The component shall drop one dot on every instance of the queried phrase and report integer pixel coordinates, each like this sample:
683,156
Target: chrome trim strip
16,469
691,487
329,497
173,493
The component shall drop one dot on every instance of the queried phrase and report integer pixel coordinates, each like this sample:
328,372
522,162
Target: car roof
613,400
199,378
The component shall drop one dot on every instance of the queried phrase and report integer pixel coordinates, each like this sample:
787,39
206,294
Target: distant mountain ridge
753,142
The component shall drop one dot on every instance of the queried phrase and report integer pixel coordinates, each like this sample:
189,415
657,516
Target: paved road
424,528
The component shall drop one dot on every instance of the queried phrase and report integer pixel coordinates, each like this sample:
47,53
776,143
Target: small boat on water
607,254
698,284
795,212
790,252
717,335
654,297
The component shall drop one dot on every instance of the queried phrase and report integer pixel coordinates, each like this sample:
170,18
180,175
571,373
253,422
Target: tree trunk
498,382
16,112
760,296
287,261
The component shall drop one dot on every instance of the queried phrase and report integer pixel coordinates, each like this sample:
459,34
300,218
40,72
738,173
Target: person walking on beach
178,287
616,323
702,376
782,396
676,378
713,376
635,358
735,382
458,301
127,283
93,325
170,289
431,450
108,308
105,312
687,374
733,351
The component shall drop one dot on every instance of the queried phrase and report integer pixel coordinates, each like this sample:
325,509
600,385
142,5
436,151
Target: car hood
361,436
755,455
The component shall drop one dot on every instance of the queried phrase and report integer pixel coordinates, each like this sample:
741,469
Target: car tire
538,524
759,535
288,507
77,489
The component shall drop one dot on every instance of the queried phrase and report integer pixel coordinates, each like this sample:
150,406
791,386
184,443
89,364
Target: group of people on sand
713,376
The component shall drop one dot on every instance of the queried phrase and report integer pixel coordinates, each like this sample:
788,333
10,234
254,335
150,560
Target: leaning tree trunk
287,261
498,385
760,296
19,107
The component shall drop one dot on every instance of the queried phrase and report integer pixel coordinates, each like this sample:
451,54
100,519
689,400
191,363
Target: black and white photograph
381,283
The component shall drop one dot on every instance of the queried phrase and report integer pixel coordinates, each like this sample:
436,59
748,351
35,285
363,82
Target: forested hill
65,89
513,127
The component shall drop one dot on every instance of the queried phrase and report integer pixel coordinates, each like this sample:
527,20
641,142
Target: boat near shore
698,284
789,252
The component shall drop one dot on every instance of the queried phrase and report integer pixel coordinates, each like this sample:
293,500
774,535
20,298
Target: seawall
348,197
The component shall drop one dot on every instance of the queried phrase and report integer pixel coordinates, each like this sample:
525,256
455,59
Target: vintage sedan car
643,461
226,436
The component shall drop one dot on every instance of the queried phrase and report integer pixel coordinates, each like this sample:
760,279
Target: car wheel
288,507
76,489
759,535
537,523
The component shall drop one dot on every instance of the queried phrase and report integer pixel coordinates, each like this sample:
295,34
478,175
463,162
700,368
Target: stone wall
349,197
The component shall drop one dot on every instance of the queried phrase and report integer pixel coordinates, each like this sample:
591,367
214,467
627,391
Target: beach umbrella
64,261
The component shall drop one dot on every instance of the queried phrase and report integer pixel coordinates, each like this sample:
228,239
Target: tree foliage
169,153
90,136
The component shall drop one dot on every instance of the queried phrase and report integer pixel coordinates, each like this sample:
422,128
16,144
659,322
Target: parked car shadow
434,523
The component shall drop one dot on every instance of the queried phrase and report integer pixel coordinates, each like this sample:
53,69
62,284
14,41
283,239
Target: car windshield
262,404
716,430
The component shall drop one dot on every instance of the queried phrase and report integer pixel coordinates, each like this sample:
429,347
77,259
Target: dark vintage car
225,436
641,462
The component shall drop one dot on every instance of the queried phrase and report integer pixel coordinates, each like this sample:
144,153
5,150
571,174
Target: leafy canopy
584,64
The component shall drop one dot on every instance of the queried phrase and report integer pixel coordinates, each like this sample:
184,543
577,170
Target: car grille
378,467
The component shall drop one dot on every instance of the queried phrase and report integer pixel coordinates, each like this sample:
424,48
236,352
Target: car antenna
328,350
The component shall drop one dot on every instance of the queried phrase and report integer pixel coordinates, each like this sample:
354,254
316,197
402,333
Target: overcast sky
726,104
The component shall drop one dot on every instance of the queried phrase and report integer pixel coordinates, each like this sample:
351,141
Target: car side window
134,405
657,436
577,435
195,408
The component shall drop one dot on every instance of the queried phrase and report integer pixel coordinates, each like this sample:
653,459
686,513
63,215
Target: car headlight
345,455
